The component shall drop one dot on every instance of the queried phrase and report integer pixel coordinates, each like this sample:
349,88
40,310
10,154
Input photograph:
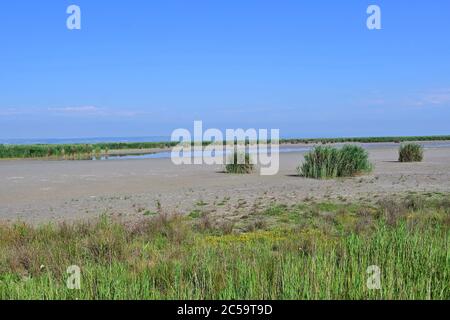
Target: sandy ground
42,191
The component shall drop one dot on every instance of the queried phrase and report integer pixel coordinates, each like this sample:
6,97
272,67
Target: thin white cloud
74,111
10,112
431,98
81,109
439,97
376,102
424,99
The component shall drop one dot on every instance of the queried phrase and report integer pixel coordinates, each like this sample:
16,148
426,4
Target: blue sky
142,68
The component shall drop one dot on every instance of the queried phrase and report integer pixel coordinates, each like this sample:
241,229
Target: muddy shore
40,191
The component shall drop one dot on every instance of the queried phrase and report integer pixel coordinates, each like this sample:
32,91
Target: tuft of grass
149,213
410,152
329,162
321,162
239,163
195,214
353,160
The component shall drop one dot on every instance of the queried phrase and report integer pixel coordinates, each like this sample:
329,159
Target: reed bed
240,163
398,139
72,151
325,162
410,152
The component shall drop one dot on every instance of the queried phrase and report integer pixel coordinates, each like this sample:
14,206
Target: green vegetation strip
368,139
306,251
73,151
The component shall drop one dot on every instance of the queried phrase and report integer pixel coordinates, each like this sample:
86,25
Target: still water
283,149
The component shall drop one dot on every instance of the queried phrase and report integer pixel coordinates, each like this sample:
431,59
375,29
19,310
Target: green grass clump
410,152
234,166
329,162
353,160
320,163
317,255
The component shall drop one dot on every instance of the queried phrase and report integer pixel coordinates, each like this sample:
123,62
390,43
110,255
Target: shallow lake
282,149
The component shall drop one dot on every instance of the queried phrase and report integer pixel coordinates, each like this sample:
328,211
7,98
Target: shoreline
78,151
150,151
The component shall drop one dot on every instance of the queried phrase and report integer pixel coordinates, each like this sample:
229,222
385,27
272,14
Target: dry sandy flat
42,191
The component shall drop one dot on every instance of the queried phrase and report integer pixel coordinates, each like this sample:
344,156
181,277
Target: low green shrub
329,162
411,152
321,162
239,167
353,160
